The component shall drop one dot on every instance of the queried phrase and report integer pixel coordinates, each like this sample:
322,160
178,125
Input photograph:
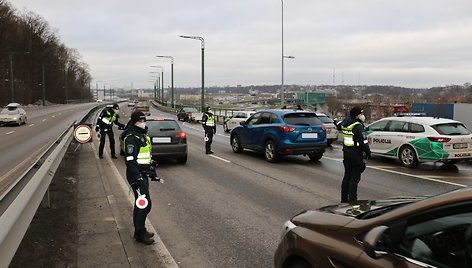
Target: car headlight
15,118
287,227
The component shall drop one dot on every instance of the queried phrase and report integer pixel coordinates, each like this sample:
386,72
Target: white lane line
201,130
219,158
44,119
31,125
404,174
8,133
53,116
159,246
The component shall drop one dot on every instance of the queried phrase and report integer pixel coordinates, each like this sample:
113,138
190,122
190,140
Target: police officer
209,125
105,121
137,146
355,150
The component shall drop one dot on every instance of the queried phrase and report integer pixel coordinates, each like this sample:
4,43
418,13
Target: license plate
161,139
309,135
460,146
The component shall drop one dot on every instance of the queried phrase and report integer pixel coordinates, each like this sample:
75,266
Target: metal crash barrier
19,203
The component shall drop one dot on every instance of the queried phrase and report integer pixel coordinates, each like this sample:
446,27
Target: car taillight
323,126
181,135
286,128
439,139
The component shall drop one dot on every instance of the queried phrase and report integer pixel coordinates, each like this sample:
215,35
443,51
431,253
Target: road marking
30,125
404,174
8,133
159,246
44,119
201,130
219,158
53,116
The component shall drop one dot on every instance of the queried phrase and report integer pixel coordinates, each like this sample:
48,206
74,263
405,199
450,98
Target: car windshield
303,119
325,119
451,129
165,125
10,111
190,110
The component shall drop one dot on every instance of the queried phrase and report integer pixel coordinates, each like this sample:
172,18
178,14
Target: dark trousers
139,215
209,134
353,166
111,138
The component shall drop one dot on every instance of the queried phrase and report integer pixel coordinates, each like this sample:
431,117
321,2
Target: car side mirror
376,242
366,129
243,123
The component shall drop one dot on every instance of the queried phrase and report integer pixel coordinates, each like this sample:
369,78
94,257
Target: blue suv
281,132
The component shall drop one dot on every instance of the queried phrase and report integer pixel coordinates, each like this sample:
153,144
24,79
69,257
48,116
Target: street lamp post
203,66
161,79
12,94
171,77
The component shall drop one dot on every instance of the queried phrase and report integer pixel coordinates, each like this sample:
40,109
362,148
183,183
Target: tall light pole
203,66
171,77
282,86
161,78
12,94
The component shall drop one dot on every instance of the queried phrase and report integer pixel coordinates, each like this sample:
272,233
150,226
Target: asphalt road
22,144
228,210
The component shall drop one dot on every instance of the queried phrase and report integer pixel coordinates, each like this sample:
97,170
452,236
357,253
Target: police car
420,139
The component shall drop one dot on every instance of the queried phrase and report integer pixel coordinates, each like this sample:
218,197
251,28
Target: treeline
32,53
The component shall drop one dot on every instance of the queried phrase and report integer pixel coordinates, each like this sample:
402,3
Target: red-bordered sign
83,133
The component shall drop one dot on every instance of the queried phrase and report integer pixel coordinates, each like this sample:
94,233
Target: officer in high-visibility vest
355,151
209,125
137,145
105,121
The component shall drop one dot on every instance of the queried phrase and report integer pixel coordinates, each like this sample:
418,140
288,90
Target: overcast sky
412,43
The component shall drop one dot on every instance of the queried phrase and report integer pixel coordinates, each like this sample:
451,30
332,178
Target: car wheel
270,152
182,160
408,156
236,144
225,128
300,264
315,156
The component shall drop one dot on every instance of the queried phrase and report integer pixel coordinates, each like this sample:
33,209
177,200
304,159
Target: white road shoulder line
8,133
44,119
219,158
404,174
31,125
159,246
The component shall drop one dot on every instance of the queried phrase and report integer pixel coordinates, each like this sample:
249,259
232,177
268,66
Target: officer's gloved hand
138,184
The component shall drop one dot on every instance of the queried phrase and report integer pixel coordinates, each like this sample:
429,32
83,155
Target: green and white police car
420,139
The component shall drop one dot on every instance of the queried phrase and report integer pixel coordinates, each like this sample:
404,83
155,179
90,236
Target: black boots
144,237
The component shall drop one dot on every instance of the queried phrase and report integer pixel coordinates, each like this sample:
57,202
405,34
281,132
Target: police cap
136,116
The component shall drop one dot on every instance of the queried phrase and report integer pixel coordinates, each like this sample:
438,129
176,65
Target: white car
234,120
13,114
331,130
420,139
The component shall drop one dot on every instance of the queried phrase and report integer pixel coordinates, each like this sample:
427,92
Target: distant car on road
420,139
395,232
13,114
142,106
99,101
281,132
168,140
237,118
331,130
131,103
189,114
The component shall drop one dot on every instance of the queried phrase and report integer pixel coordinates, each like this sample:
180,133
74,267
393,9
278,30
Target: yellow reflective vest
349,135
144,156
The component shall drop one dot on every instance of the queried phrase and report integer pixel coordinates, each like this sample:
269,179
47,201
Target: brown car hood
339,215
